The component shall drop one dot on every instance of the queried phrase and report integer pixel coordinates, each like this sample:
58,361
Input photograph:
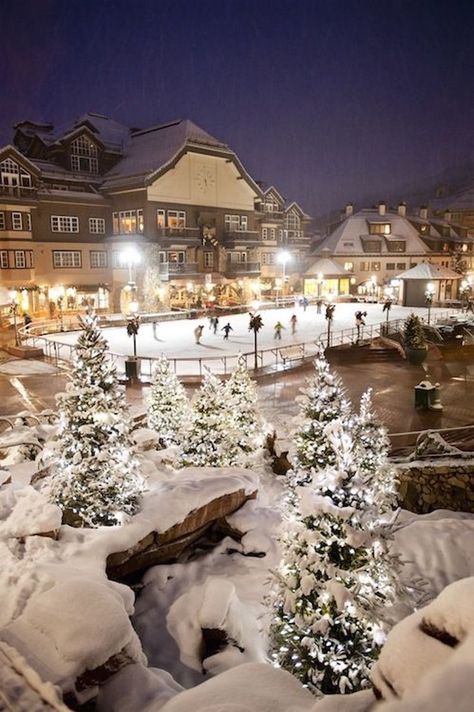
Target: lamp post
14,313
387,306
429,293
133,325
255,325
283,257
329,317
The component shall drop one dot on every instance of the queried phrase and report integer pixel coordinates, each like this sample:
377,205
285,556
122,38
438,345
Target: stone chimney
423,212
349,210
382,208
447,215
402,209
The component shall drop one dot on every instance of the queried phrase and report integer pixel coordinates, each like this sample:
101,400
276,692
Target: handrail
57,350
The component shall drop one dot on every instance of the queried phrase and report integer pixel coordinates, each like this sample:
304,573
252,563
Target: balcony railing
237,236
170,270
243,267
192,232
17,191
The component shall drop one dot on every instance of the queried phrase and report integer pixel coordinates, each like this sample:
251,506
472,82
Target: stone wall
438,484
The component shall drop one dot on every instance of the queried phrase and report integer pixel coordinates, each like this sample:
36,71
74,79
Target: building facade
100,214
373,246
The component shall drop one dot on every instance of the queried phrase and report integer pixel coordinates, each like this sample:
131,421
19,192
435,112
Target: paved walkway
32,385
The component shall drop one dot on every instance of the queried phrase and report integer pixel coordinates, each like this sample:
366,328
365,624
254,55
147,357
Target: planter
416,356
131,369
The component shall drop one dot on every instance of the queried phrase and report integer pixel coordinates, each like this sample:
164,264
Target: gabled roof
327,267
425,270
22,160
296,205
152,151
272,189
112,134
462,200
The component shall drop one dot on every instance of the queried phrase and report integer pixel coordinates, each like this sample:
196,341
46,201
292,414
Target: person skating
278,329
359,319
227,329
293,322
198,333
216,324
305,303
319,304
155,326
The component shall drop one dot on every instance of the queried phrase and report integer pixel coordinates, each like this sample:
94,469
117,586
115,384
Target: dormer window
84,155
379,228
13,176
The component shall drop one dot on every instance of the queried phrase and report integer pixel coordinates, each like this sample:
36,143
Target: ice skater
278,329
216,324
293,322
227,329
155,326
198,333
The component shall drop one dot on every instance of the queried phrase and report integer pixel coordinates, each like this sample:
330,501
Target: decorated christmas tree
372,448
336,582
322,402
169,411
95,477
413,334
241,395
212,439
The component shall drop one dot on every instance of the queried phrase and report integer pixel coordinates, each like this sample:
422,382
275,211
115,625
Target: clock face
204,179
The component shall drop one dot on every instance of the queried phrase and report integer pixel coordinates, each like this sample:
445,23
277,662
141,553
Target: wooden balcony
178,270
18,192
242,268
241,237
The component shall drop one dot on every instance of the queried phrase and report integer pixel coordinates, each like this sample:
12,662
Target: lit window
348,266
379,228
176,219
364,266
160,219
97,226
376,266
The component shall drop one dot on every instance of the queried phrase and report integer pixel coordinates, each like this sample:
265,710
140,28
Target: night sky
330,101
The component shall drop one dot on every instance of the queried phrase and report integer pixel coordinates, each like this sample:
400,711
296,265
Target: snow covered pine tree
241,395
212,440
169,411
337,581
322,402
95,477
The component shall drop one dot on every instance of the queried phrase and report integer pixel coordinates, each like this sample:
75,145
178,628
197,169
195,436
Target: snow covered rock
427,640
70,631
201,496
253,687
25,512
214,631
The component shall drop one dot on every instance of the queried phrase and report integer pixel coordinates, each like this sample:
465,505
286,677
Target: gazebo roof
427,271
328,268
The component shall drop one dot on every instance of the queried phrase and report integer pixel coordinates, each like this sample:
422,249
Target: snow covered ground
175,339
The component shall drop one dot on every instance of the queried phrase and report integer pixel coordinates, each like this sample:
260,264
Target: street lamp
129,258
387,306
14,312
329,316
133,325
429,293
255,325
283,257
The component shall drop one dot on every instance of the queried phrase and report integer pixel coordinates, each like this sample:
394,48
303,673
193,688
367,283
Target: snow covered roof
112,134
327,267
425,270
462,200
152,149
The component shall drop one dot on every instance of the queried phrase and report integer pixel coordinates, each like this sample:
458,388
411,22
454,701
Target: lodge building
79,205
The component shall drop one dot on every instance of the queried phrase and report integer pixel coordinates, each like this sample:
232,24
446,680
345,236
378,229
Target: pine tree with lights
241,394
322,402
335,585
169,410
212,440
95,477
372,451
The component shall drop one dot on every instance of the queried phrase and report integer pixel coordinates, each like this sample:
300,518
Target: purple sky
327,100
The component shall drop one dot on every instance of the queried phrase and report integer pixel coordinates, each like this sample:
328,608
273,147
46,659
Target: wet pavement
32,385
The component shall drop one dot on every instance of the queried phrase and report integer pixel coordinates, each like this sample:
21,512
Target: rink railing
275,357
